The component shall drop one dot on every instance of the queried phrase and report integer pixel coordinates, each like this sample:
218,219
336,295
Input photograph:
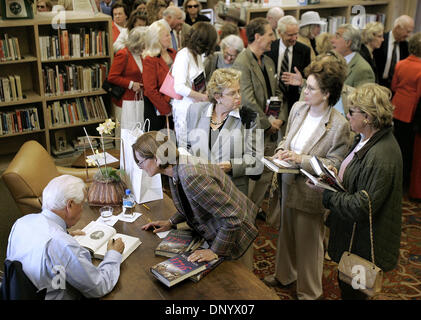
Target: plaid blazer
222,214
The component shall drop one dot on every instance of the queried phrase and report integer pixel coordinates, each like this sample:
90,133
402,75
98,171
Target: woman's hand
292,79
225,166
158,226
137,86
198,96
289,156
202,255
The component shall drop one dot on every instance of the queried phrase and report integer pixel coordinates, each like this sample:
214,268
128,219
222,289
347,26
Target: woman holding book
189,73
204,197
224,132
373,165
158,58
126,71
314,128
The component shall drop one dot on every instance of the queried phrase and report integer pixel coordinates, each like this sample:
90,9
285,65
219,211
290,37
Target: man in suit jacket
204,197
173,18
347,42
403,26
258,85
299,55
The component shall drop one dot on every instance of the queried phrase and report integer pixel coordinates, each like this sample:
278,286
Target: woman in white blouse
189,73
314,129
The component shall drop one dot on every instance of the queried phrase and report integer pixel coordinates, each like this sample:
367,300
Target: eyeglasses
310,88
193,6
351,112
233,93
231,56
139,164
41,7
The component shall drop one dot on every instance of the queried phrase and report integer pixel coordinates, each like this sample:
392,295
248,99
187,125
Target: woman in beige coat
314,129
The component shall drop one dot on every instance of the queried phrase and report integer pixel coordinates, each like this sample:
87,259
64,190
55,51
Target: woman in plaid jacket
204,197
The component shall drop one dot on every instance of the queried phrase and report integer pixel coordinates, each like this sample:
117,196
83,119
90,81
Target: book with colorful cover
209,267
176,242
176,269
325,174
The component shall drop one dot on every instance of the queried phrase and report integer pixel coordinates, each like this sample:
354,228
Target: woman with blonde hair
126,71
372,176
223,131
372,38
158,58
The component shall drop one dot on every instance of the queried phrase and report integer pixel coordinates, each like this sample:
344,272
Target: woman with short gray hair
231,46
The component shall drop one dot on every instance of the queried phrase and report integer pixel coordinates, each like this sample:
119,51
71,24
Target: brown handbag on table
352,268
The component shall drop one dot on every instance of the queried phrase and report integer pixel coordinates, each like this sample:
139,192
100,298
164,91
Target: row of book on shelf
177,245
359,21
9,48
62,79
78,110
74,44
10,88
19,120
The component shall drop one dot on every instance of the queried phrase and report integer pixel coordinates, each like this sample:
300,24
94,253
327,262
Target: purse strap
371,228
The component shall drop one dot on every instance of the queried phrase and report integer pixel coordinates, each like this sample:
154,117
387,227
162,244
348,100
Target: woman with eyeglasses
373,164
231,46
223,131
44,6
204,197
192,9
314,128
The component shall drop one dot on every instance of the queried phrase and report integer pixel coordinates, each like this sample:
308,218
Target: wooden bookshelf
324,8
30,69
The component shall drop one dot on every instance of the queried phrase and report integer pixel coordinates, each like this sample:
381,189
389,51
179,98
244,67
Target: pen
146,206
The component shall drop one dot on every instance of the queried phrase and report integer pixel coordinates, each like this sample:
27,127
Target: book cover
176,242
273,107
279,166
97,237
176,269
316,181
209,267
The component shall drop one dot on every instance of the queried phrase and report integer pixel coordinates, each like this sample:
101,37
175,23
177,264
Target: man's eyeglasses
351,112
193,6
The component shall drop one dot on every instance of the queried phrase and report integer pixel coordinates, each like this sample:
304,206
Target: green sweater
376,168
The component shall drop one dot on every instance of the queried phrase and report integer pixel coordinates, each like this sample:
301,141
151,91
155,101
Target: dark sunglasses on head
193,6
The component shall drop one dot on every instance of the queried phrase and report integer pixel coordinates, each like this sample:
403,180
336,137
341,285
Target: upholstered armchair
30,171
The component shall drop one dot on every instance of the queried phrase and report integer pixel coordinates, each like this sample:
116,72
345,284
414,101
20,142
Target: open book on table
96,239
279,166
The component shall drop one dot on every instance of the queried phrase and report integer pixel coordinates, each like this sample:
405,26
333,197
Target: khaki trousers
299,252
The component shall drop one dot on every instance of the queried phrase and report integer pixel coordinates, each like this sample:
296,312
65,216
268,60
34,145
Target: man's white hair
403,21
174,11
62,189
275,12
286,21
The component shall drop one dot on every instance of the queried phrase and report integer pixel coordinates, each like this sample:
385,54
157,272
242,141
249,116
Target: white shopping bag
132,112
144,188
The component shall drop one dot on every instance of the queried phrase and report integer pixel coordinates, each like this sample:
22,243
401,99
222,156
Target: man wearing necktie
174,18
288,54
393,49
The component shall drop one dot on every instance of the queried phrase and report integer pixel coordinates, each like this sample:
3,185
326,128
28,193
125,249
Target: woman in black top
192,9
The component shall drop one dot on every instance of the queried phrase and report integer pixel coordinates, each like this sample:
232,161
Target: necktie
284,68
174,42
393,61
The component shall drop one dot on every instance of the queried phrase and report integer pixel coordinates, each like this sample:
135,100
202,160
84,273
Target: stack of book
65,44
76,111
82,143
64,152
9,48
11,88
65,79
178,241
20,120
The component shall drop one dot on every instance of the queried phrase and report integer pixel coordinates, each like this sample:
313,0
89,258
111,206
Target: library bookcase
63,43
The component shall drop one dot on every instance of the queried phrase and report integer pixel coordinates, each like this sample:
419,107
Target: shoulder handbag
167,87
114,90
362,274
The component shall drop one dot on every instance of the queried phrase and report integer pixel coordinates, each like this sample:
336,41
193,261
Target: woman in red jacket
158,58
126,71
406,85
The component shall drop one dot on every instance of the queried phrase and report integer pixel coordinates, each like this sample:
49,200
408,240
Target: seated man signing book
51,258
204,197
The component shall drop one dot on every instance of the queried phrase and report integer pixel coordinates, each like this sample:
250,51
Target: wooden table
230,280
80,162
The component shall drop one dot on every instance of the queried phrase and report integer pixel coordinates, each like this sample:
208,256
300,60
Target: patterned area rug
402,283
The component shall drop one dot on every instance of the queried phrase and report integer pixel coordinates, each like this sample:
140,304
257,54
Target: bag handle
138,125
371,228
